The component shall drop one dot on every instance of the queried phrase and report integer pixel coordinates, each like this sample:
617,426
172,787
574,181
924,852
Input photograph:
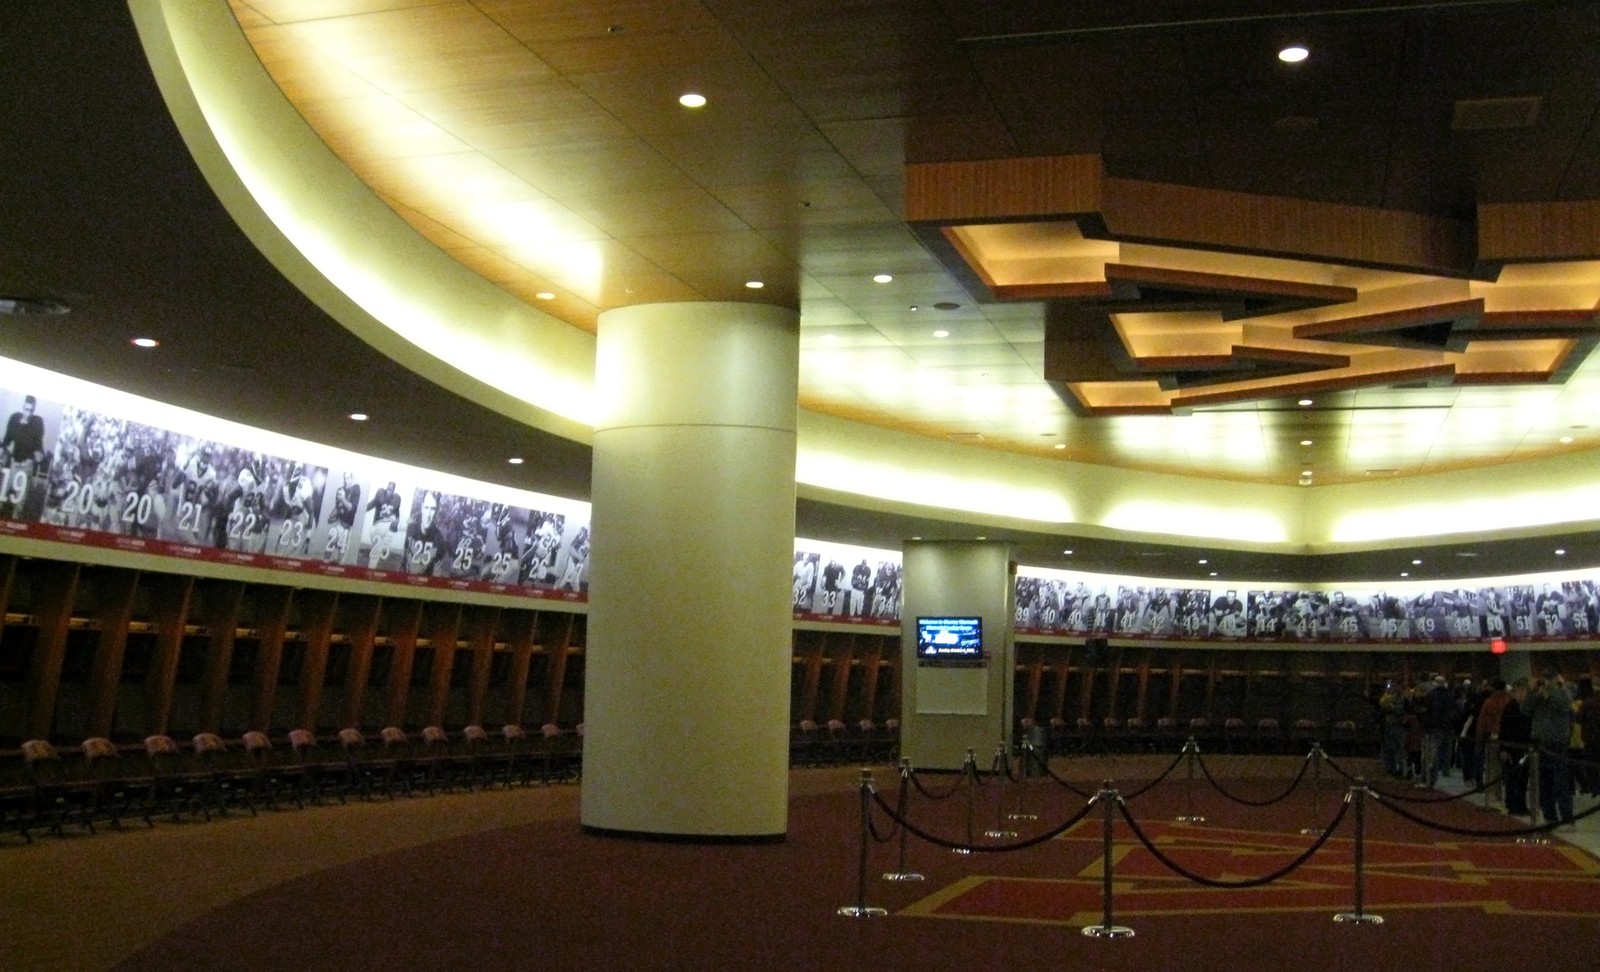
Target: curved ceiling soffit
377,276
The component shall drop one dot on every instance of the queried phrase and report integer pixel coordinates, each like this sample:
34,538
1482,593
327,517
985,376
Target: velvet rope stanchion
1107,927
970,769
1316,757
1001,772
861,909
1359,916
1191,750
900,873
1030,757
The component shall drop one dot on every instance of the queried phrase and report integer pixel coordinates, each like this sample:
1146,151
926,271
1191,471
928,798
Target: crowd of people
1531,744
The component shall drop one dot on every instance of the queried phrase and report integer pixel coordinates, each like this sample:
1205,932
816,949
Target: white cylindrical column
686,698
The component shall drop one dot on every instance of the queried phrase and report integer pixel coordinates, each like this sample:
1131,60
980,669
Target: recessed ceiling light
983,538
941,333
692,100
916,538
1304,402
1213,573
915,307
1203,560
545,295
515,460
1305,472
1061,445
882,278
1566,440
1416,563
145,342
754,284
1561,553
1305,442
1293,54
1067,552
1405,573
358,416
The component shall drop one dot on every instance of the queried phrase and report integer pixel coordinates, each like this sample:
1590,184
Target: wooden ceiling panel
598,168
289,11
686,49
544,21
812,202
437,46
629,214
722,158
369,129
305,75
719,263
519,113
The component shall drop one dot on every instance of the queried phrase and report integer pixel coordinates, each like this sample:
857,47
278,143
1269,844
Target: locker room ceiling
795,173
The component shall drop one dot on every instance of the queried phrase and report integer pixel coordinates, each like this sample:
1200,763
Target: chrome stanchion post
901,806
1001,769
970,767
1107,928
860,909
1316,756
1359,916
1029,765
1192,747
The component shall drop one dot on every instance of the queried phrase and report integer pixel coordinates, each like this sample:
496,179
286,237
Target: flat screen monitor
950,639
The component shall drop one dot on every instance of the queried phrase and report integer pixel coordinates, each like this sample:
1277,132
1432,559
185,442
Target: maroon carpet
547,897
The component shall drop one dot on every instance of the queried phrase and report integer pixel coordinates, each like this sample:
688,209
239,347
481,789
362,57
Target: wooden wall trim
55,587
317,609
272,623
520,643
403,618
481,626
444,626
222,627
105,673
362,633
170,596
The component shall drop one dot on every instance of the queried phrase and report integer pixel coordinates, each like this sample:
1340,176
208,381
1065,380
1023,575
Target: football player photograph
805,580
22,452
381,534
342,519
424,541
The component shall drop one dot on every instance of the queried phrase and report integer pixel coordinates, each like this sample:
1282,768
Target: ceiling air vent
1485,114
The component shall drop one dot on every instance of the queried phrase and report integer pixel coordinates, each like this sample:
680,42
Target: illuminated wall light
1305,442
692,100
754,284
1293,54
882,278
515,460
1213,573
1561,553
1305,402
358,416
148,342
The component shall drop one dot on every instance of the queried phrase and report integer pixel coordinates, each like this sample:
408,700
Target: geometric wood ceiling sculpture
1164,332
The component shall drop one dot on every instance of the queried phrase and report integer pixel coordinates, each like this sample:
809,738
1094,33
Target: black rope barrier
1141,791
1544,828
938,841
1184,872
1407,798
1065,783
916,781
1293,785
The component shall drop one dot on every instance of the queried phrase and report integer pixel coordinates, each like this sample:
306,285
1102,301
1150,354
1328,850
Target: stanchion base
861,911
1310,832
1108,931
1022,816
903,876
1190,818
999,834
960,850
1533,840
1357,918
